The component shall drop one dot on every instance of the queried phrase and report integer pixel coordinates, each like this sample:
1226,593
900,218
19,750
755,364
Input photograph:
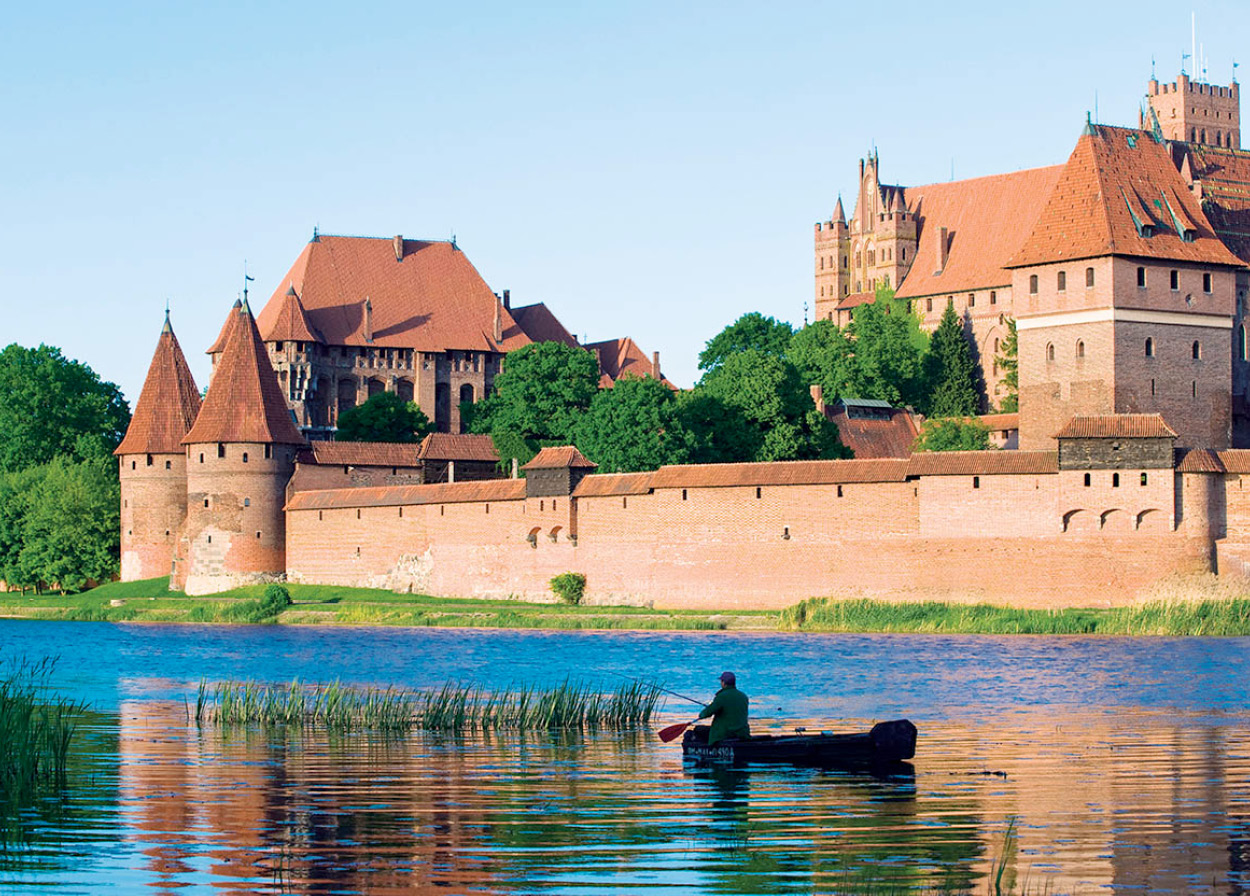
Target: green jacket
728,710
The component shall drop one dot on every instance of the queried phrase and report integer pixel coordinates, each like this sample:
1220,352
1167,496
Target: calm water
1121,765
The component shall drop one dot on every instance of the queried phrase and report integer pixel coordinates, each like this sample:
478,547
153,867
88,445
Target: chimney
943,250
507,299
451,471
399,247
498,322
368,320
818,398
655,365
514,468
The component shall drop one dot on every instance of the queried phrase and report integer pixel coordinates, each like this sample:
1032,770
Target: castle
1125,270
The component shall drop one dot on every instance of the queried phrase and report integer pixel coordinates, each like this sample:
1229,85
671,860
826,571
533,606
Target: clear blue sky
646,169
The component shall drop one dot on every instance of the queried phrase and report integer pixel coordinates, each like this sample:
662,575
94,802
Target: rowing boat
886,743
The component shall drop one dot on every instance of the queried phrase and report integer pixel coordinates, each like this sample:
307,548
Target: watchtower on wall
1195,111
152,463
240,454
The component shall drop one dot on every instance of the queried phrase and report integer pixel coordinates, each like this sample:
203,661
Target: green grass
1223,617
339,708
151,600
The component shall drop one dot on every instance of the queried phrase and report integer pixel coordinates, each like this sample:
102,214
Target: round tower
240,454
152,463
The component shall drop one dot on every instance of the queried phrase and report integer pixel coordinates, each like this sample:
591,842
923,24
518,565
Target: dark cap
728,678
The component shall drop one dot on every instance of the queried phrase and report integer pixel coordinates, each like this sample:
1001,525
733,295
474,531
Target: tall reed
453,707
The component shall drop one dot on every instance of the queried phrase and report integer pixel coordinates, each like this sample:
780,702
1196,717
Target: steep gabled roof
1120,194
168,404
439,446
540,325
987,220
870,437
291,323
244,401
1117,426
619,357
1224,176
431,300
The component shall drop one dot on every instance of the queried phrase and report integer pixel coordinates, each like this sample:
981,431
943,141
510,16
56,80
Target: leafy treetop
385,417
752,331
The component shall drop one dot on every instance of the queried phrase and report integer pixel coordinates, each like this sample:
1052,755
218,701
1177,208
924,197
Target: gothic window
1089,278
1033,284
1080,348
1061,281
1050,351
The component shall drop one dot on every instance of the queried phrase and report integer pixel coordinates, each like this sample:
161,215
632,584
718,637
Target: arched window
1089,278
1050,351
1080,348
1197,350
1061,281
1033,284
1150,347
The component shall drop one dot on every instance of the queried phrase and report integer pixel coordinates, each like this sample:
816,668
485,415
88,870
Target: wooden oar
672,732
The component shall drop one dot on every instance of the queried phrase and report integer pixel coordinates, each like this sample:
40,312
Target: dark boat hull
886,743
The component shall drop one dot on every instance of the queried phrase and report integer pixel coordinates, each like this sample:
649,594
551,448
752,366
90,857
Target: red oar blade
672,732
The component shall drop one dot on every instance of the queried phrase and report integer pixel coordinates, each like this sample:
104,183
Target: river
1074,765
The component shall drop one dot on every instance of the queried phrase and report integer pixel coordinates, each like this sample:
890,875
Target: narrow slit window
1089,278
1141,277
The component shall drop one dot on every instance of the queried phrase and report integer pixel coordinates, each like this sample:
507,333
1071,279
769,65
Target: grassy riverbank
150,600
1201,607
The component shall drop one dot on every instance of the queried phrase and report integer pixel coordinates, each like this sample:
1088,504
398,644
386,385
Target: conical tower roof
839,216
291,324
244,401
231,320
168,404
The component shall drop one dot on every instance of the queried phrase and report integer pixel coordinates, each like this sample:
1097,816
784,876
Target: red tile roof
463,447
394,495
1000,422
361,454
1201,460
540,325
1115,180
985,463
871,438
796,472
1117,426
1224,176
226,326
1235,460
558,458
167,405
602,485
291,323
244,401
621,357
987,220
854,300
433,300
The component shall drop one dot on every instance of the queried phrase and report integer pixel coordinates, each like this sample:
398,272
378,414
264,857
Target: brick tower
240,456
1195,112
153,463
833,246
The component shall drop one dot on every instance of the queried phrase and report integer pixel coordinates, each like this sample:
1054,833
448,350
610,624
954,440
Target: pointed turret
291,324
240,456
839,216
244,402
152,464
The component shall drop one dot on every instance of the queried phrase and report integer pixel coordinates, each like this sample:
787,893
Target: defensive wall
1003,527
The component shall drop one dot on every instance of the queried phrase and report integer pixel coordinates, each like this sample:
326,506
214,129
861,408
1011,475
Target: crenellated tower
1195,111
240,454
152,463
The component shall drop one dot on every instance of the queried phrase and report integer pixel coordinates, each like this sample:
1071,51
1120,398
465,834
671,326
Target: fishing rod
651,684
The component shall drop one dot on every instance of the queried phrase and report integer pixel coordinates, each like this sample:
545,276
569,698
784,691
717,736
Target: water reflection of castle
1099,802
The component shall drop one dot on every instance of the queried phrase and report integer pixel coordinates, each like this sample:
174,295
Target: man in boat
728,711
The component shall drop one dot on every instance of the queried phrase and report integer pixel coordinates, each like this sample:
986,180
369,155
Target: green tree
776,406
752,331
950,371
632,426
1009,363
385,417
52,406
889,351
824,355
540,397
17,491
952,434
715,432
72,527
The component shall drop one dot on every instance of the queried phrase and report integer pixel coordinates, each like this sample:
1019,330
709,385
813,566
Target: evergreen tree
632,426
1009,363
385,417
950,371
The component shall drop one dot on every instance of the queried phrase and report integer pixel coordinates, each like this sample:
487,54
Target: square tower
1196,112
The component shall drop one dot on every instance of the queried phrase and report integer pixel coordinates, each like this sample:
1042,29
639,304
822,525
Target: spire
244,401
292,322
839,216
231,320
168,404
898,205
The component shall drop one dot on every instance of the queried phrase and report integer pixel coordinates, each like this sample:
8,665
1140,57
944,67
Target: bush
275,600
569,587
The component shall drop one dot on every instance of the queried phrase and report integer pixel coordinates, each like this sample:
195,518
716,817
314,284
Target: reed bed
341,708
1229,617
36,732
